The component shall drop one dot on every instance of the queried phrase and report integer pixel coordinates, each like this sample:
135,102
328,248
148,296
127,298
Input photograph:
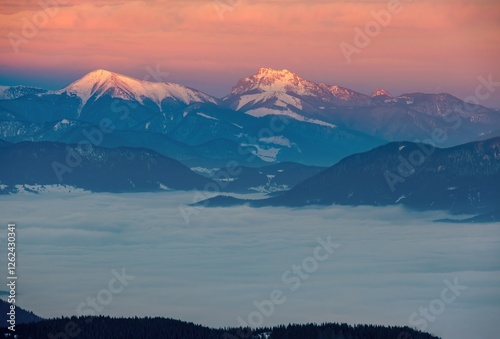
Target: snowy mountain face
381,96
270,80
285,93
381,92
277,82
273,92
100,82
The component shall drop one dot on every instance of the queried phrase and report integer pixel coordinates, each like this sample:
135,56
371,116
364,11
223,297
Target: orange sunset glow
250,169
428,46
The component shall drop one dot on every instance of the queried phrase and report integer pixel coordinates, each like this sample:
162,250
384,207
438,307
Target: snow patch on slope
266,154
260,112
253,99
276,140
381,92
207,116
61,124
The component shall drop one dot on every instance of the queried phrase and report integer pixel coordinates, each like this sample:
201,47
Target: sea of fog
262,266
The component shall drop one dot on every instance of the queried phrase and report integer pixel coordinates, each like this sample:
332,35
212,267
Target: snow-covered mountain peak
281,92
275,83
381,92
98,75
276,74
271,80
100,82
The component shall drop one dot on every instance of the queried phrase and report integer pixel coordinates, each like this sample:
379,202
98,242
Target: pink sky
428,46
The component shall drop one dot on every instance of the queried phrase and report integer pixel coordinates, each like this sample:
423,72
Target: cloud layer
390,261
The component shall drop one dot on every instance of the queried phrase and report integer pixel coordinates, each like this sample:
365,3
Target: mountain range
48,166
304,143
461,179
269,117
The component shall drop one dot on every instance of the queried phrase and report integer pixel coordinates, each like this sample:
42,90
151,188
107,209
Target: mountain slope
14,92
93,168
269,117
462,179
201,134
150,328
22,316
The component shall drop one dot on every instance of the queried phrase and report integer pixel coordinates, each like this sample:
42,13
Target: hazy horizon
200,84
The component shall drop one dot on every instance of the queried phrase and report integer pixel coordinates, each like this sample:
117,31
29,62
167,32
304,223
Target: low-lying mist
261,266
